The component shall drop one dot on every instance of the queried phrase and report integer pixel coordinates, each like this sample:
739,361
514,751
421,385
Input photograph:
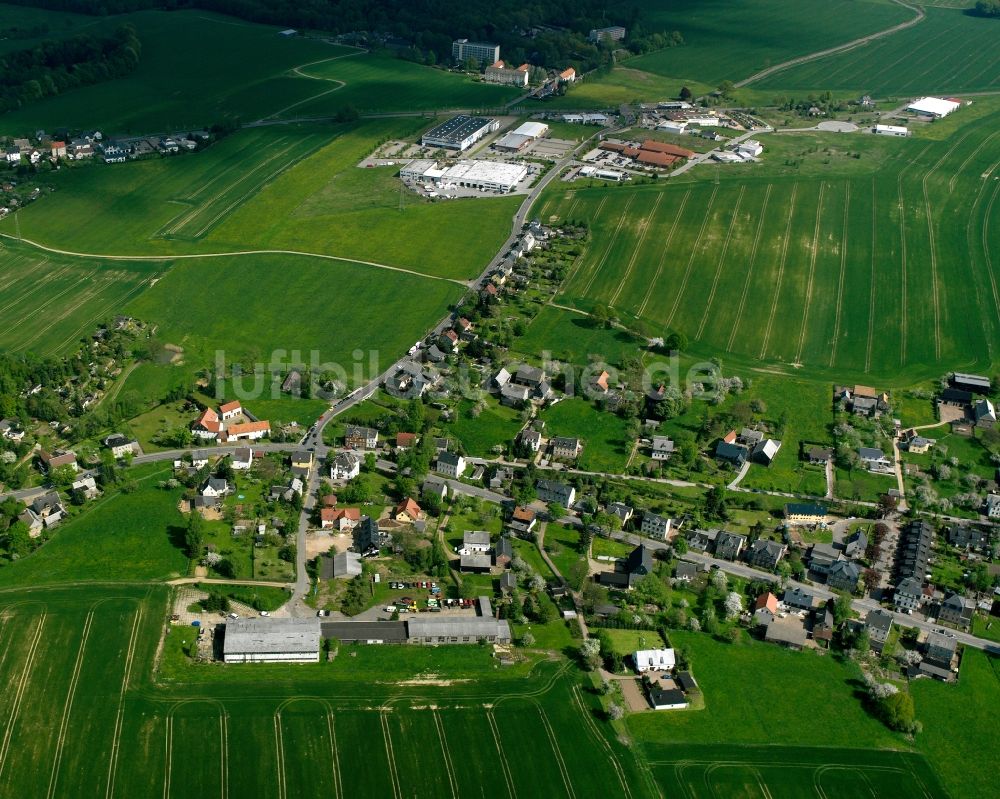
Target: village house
242,459
531,439
656,526
407,511
121,445
654,660
450,465
503,553
566,448
434,486
729,546
765,609
909,594
798,598
522,521
874,460
214,488
340,519
406,441
663,448
958,610
230,410
48,508
822,557
621,510
844,576
819,455
346,466
356,437
967,536
629,571
552,491
87,486
207,425
805,513
985,414
57,460
252,431
765,554
368,538
878,622
856,544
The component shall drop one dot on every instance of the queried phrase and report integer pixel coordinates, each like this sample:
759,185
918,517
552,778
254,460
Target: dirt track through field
233,254
781,272
645,225
663,254
694,251
812,274
750,265
843,274
919,17
722,262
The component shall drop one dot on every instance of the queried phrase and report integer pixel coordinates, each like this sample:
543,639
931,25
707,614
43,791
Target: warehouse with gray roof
271,641
459,133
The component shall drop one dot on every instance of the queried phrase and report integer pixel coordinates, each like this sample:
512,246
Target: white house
450,465
346,466
653,660
475,541
656,526
87,485
242,458
532,439
663,448
215,487
670,126
230,410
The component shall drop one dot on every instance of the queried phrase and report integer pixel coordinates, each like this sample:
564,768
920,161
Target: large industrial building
271,641
499,72
933,107
483,52
484,175
459,133
518,139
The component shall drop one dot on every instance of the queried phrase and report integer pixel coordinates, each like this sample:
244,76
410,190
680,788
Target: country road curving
840,48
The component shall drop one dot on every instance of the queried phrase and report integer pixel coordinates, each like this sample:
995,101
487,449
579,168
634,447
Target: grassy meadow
949,51
305,301
845,272
286,187
195,69
49,302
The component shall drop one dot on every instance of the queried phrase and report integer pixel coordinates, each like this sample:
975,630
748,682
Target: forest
53,67
550,34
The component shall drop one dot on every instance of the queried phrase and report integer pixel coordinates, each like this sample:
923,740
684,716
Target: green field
719,45
49,302
383,312
374,83
949,51
603,434
287,187
195,69
847,273
85,714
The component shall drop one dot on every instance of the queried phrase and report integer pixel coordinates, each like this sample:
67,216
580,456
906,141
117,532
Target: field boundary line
645,224
298,71
611,245
109,790
663,254
750,265
223,753
448,765
583,252
338,785
279,754
902,250
722,261
965,163
239,156
68,705
507,776
871,294
781,271
22,684
391,755
986,248
38,286
17,275
595,733
83,297
841,48
843,271
235,253
554,742
694,252
168,742
812,273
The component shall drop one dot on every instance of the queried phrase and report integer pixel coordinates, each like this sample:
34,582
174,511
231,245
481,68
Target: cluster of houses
93,144
862,400
230,423
747,445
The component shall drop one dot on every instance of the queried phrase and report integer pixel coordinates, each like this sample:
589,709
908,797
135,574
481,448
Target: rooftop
272,636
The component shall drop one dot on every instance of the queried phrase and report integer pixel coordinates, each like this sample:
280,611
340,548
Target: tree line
53,67
551,33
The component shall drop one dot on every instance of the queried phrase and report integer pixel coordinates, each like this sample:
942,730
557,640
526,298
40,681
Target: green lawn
574,337
604,446
861,484
562,543
120,537
496,425
628,641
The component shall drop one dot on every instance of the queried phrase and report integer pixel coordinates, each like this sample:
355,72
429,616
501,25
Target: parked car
389,609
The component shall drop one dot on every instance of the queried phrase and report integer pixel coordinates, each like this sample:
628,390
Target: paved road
863,606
